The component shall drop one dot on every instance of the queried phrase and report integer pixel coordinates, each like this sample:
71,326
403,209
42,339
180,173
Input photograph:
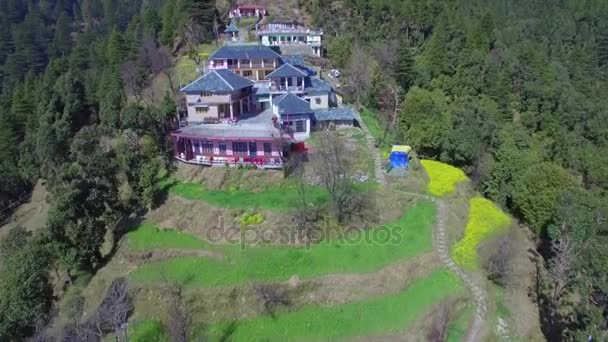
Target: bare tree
497,256
116,307
272,296
158,59
131,79
180,315
359,72
390,104
560,266
438,329
384,52
334,167
305,215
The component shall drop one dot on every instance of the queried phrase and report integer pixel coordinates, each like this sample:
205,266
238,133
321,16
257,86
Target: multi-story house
254,62
219,95
280,33
234,120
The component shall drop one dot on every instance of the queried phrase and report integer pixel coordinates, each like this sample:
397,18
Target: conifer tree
404,68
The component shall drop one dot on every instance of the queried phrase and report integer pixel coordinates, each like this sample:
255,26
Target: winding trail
440,243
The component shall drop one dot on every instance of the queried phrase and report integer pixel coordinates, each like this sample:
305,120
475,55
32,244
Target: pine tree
169,24
62,40
116,49
404,68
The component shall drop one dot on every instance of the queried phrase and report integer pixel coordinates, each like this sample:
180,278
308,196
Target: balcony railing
286,88
250,65
289,30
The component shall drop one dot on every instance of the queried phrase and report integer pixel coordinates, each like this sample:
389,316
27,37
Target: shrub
536,191
443,177
485,221
251,218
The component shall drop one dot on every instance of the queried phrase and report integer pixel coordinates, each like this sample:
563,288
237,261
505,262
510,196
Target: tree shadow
229,331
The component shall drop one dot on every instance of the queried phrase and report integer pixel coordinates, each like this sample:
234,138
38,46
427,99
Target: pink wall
216,148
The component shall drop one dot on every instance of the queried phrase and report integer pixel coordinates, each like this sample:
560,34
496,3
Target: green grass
277,197
147,331
360,252
457,329
185,67
375,316
246,22
485,221
372,123
375,128
443,177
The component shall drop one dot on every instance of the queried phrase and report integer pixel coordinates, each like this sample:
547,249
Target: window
253,149
207,147
222,147
267,149
195,145
268,62
247,73
300,126
267,72
201,110
318,100
244,62
239,148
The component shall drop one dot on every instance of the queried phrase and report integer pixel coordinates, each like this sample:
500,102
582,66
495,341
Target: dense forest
70,73
513,92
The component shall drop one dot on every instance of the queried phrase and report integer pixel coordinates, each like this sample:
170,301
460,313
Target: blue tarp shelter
400,156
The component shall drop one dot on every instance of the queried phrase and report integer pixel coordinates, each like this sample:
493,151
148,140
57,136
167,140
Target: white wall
323,104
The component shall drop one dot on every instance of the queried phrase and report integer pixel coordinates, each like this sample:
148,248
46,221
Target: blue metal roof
296,60
291,104
316,86
335,114
287,70
215,81
245,52
231,28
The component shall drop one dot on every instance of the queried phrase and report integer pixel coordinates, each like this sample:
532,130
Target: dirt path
371,145
440,244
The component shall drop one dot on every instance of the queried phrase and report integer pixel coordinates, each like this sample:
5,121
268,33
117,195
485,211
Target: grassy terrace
362,252
277,197
485,220
377,131
383,315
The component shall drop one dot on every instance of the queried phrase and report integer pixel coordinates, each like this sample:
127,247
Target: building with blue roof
294,114
219,95
290,32
249,106
251,61
232,32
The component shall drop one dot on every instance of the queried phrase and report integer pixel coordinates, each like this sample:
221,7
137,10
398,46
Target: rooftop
295,60
313,86
316,86
245,52
215,81
258,126
336,114
231,28
291,104
287,70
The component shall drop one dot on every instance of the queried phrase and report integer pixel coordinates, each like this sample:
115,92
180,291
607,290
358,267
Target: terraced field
383,281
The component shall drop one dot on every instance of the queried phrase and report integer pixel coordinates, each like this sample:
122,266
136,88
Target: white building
290,33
